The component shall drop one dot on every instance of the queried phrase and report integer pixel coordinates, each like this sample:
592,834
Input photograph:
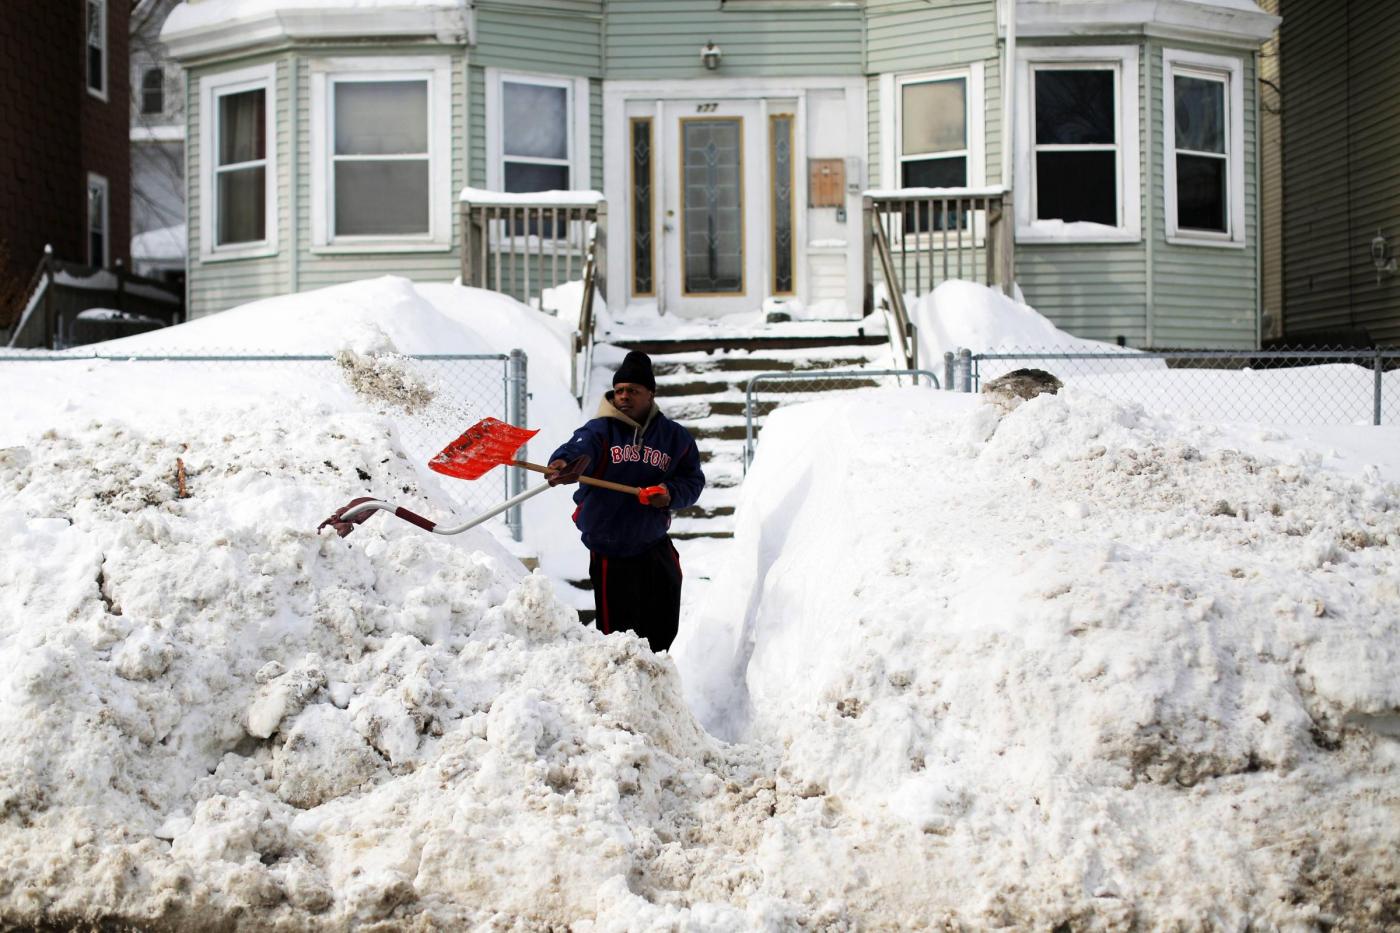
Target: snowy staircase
701,383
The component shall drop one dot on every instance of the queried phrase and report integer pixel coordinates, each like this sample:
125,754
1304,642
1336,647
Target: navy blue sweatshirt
658,453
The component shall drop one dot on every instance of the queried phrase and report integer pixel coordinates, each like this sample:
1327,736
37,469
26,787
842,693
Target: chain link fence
430,399
1300,386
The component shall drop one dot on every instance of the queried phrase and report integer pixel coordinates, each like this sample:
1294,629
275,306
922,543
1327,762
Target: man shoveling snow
634,567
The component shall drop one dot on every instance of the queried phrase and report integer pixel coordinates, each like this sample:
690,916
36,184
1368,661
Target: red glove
656,496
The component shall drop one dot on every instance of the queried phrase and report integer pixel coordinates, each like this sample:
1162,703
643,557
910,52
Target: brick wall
53,132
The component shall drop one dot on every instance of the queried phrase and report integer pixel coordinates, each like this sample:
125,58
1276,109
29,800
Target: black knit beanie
636,369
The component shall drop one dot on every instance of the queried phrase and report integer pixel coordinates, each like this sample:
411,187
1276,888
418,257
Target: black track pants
639,594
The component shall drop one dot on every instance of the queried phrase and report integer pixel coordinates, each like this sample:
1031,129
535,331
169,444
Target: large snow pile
1104,668
1071,665
210,712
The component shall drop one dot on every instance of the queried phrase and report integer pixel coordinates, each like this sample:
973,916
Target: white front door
714,206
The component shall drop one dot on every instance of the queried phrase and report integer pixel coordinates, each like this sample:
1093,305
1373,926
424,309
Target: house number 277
706,108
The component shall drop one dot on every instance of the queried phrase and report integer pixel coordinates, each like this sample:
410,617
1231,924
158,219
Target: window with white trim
535,134
1203,138
533,140
98,219
96,52
381,164
238,206
1077,145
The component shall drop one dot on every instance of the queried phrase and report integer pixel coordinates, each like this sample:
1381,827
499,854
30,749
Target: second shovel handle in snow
586,480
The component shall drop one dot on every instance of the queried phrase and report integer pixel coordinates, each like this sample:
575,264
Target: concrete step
662,347
749,364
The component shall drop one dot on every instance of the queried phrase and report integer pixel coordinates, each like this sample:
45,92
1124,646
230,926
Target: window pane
242,127
95,45
242,206
712,183
381,117
153,91
1074,186
934,117
782,205
97,208
381,198
94,68
535,121
1200,114
1200,193
642,262
935,173
1074,106
522,176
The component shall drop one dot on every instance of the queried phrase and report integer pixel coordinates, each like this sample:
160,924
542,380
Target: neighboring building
65,163
733,141
157,147
1339,71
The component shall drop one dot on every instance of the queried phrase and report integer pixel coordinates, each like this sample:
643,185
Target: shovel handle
586,480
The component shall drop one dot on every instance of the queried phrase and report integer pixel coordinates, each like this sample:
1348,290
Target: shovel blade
486,444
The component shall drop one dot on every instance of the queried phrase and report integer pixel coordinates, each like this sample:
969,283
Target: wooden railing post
600,249
1006,245
468,248
867,212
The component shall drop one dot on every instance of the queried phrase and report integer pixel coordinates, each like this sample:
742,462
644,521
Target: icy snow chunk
143,656
282,696
323,758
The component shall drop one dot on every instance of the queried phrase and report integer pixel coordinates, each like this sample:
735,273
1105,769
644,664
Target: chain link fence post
517,398
1380,367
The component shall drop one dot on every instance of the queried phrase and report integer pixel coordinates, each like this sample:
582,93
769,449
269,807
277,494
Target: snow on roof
167,243
198,14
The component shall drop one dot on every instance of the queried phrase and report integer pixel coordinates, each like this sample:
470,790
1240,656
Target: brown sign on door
826,183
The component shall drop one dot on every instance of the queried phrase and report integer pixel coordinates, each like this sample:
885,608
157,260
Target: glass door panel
712,214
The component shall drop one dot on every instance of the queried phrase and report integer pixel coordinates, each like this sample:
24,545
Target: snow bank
1102,667
364,316
211,712
960,314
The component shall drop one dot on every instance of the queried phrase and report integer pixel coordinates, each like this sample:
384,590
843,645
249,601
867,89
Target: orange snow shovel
486,444
490,443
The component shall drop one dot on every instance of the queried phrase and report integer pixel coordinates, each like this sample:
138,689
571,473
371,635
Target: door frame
625,99
677,115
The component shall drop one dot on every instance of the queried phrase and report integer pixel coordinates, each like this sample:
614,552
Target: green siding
476,126
539,38
223,284
662,39
1094,290
900,39
1203,296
